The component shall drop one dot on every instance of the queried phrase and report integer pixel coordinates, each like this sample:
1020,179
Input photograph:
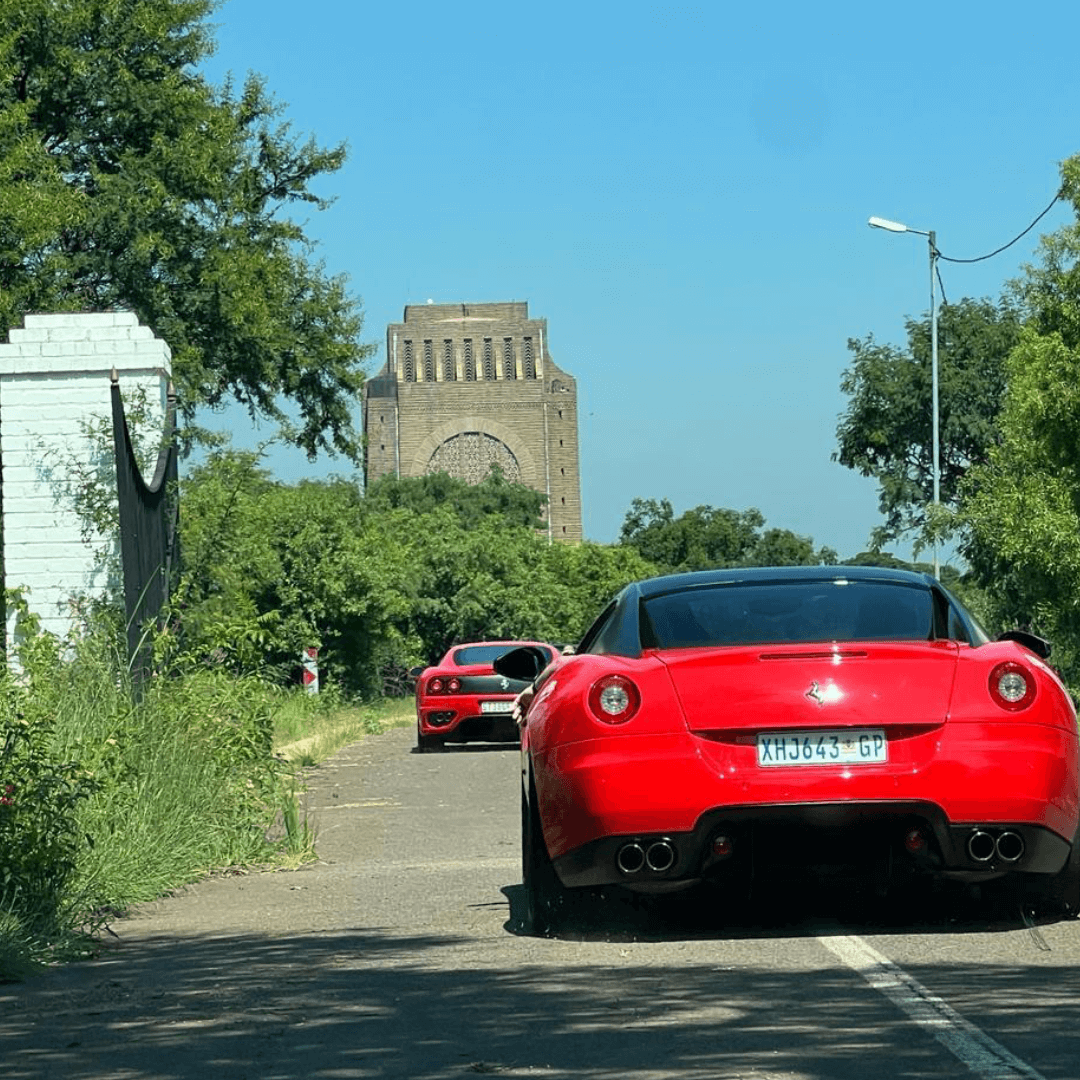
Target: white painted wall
54,379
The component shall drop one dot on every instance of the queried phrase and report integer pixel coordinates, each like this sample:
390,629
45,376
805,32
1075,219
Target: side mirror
523,663
1039,646
416,672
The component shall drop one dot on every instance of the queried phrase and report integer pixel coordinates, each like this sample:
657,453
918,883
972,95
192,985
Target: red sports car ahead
731,724
462,699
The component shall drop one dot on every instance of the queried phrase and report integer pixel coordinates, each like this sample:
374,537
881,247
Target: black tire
1061,894
547,899
428,744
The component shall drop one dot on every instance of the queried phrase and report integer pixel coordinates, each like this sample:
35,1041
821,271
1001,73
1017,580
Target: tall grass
106,800
194,786
310,728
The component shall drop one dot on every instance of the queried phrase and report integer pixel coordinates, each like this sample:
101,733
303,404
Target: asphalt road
401,955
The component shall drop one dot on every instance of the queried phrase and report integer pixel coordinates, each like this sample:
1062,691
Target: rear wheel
547,899
427,744
1061,893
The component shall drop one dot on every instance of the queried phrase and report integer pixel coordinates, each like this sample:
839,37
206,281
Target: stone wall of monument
468,386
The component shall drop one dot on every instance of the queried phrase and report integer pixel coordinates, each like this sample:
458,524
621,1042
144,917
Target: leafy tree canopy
127,181
887,429
513,503
705,537
591,575
377,583
273,568
1023,505
499,580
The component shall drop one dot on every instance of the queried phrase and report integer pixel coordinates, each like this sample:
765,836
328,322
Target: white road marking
981,1054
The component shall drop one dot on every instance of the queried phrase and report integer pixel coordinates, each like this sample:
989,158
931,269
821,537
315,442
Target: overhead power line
999,250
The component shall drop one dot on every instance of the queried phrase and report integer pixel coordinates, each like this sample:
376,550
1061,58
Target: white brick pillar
54,379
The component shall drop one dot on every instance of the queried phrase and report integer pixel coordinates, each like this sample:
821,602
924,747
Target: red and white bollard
311,670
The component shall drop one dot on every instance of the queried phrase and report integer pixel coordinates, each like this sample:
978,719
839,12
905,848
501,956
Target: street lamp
895,226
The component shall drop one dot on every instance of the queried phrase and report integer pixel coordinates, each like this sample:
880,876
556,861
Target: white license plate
496,706
864,746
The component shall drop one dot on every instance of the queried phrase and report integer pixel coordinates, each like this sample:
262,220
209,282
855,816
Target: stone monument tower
468,386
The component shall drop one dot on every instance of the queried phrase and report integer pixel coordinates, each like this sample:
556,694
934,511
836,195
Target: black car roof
731,575
621,632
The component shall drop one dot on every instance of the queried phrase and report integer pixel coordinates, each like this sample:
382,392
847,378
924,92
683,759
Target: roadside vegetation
309,729
1009,371
108,799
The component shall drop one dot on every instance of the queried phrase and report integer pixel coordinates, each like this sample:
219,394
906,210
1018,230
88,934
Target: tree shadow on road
613,914
659,988
380,1003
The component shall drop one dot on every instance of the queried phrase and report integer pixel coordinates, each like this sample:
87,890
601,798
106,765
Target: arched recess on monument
472,455
481,443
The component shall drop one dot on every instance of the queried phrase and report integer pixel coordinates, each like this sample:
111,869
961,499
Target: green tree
948,575
886,432
699,538
705,537
273,568
514,503
128,181
782,547
496,580
1023,505
589,575
380,582
376,583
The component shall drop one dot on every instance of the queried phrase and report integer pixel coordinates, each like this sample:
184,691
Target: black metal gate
149,541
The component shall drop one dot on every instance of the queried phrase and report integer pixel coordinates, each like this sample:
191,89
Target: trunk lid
746,689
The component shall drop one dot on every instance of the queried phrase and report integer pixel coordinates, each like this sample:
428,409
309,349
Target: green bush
114,800
40,794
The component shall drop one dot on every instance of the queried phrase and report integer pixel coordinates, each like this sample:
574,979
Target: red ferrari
462,699
729,725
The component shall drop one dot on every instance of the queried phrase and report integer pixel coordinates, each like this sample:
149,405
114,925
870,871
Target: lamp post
895,226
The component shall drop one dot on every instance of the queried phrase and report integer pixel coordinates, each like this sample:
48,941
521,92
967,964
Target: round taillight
614,699
454,685
435,686
1012,686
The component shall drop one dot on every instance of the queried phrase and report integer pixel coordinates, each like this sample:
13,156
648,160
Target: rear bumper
598,795
461,719
796,838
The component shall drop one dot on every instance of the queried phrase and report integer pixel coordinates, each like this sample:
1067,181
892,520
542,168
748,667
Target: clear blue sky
682,191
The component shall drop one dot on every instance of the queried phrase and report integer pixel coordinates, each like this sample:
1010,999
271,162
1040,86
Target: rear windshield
480,654
812,611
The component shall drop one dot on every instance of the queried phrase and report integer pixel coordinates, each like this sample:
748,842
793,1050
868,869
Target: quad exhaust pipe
982,846
631,858
660,856
656,856
1009,846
